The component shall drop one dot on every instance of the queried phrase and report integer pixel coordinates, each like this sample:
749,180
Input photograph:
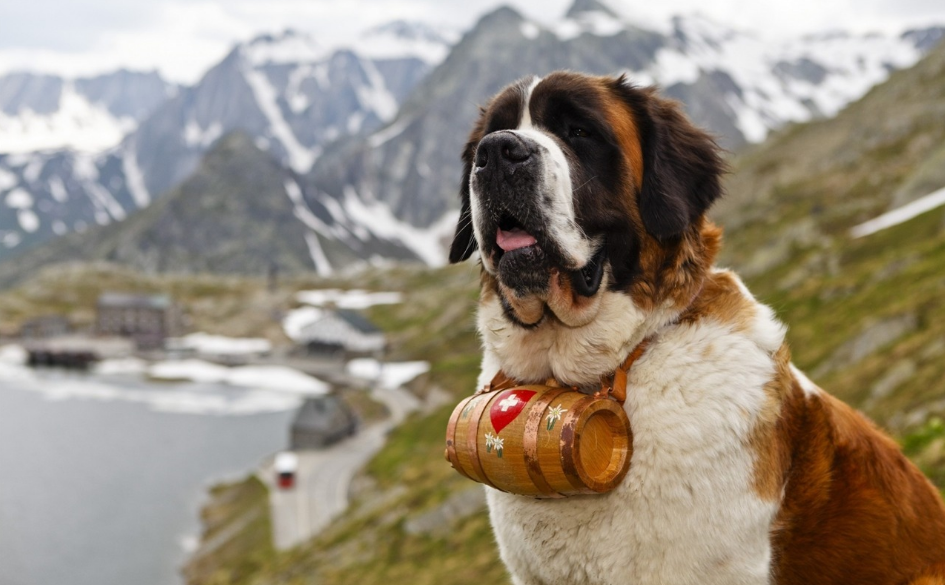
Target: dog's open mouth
525,266
511,236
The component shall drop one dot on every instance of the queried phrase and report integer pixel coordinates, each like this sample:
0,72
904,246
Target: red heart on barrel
508,406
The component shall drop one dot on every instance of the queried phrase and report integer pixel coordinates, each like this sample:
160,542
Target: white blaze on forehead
556,180
526,121
559,213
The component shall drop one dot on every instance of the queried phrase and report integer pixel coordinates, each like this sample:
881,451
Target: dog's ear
682,165
464,242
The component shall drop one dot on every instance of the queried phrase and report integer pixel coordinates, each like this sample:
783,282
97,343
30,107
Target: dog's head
578,187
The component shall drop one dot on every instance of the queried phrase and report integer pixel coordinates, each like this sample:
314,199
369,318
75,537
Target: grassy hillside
865,315
229,305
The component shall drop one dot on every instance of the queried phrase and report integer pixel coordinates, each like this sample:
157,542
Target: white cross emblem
510,401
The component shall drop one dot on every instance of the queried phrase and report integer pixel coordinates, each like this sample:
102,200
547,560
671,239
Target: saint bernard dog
586,199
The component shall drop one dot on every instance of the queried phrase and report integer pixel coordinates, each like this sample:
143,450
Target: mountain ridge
370,138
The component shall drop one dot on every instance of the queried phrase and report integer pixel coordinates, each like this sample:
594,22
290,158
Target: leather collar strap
614,385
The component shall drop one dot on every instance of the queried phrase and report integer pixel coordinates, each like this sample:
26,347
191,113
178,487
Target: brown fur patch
625,128
721,299
934,575
772,452
673,269
569,307
676,270
529,309
855,510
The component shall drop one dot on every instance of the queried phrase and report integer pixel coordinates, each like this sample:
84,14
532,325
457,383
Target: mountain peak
583,6
289,46
407,30
697,29
925,39
402,39
502,14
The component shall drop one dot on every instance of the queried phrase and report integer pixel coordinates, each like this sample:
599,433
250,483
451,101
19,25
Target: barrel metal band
568,441
530,443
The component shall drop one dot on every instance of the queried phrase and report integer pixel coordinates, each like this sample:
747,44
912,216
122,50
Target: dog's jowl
586,199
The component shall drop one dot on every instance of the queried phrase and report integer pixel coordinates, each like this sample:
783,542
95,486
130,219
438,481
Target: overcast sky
182,38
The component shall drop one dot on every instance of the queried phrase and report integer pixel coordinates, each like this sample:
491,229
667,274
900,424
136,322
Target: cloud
182,38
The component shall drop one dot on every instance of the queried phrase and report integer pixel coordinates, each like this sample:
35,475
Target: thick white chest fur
686,512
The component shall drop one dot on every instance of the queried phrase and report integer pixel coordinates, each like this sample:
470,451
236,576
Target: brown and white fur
586,199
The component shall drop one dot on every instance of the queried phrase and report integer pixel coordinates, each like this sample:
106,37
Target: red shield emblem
508,406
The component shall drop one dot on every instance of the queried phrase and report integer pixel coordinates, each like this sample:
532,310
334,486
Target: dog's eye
578,132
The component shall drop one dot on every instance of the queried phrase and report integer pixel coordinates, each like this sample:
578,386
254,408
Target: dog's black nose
506,148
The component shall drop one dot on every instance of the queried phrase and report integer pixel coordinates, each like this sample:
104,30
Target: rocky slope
738,84
290,94
48,112
334,116
239,212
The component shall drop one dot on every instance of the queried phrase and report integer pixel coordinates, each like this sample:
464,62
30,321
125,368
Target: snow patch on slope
376,97
195,136
19,199
133,177
900,215
301,158
380,220
7,180
77,124
379,138
322,266
28,220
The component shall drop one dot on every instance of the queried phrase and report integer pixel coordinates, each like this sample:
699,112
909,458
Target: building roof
133,301
358,321
346,328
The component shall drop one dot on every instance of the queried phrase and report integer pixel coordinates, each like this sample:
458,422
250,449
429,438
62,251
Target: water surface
101,478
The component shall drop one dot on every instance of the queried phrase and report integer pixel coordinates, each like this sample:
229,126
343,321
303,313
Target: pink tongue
513,239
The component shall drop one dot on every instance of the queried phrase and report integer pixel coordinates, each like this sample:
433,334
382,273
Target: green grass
237,528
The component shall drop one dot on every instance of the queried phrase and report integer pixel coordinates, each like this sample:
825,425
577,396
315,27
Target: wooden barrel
541,441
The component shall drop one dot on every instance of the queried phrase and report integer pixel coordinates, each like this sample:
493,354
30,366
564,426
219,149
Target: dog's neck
576,356
672,277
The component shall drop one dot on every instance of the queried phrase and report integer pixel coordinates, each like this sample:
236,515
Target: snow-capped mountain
287,92
773,82
48,112
370,134
401,39
240,211
737,84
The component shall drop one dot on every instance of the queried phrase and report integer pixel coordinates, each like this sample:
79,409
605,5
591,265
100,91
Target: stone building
45,327
147,319
320,422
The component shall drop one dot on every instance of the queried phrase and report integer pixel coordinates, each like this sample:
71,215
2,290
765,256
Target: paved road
324,476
